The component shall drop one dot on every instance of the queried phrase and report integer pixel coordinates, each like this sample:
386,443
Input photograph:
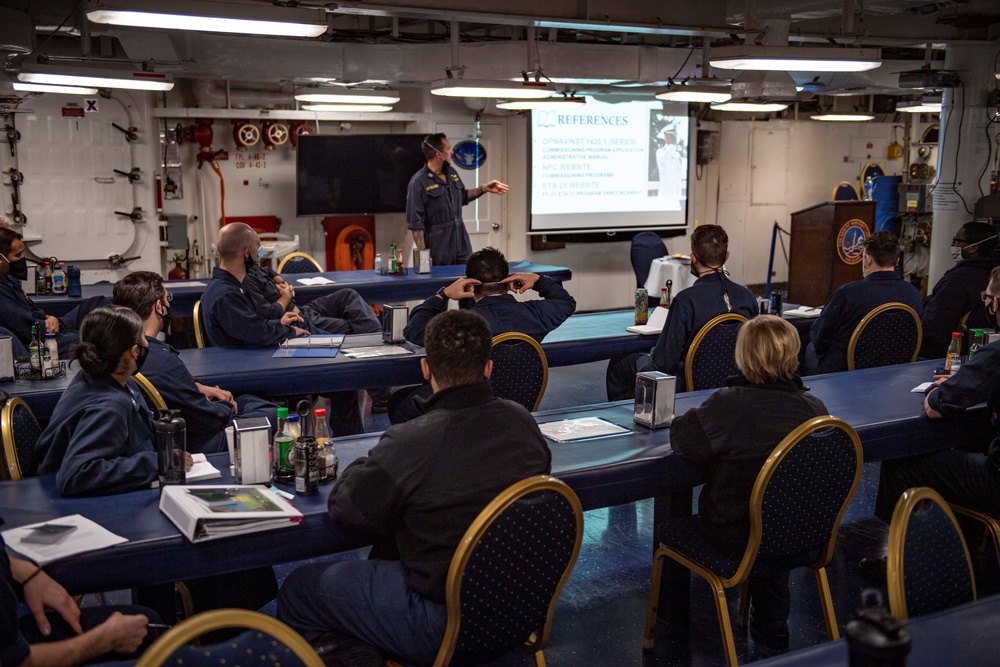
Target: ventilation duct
16,31
760,87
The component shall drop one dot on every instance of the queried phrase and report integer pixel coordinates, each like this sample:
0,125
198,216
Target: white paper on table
375,351
921,388
189,283
803,311
654,325
318,280
200,469
569,430
88,536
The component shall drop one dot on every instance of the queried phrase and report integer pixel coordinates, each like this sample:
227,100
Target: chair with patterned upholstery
712,355
20,433
646,246
299,262
520,369
269,642
928,566
890,334
507,573
844,191
153,398
798,500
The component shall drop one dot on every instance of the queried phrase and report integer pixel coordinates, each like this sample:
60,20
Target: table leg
675,586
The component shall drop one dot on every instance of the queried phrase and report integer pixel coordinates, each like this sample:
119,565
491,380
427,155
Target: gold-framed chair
153,398
508,571
199,331
844,191
990,524
820,460
20,431
299,262
889,334
928,567
711,358
253,647
520,369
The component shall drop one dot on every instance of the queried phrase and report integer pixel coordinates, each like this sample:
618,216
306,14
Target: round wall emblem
468,154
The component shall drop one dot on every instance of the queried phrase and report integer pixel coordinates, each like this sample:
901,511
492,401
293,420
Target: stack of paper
804,311
201,469
569,430
88,536
318,280
654,325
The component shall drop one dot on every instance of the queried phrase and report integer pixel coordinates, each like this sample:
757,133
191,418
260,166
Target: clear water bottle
378,262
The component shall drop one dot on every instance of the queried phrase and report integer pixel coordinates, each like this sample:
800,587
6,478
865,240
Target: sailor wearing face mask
18,313
957,292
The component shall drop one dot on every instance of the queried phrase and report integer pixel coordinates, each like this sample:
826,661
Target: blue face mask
260,254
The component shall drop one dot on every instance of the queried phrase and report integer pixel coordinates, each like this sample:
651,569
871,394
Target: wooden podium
826,248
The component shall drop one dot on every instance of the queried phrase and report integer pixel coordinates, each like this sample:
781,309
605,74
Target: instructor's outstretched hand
496,187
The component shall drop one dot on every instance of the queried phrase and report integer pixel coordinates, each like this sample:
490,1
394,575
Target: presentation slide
606,167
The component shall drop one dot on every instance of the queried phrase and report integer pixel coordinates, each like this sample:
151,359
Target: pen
160,626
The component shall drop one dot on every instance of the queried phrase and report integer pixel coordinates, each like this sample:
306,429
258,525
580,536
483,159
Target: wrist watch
440,293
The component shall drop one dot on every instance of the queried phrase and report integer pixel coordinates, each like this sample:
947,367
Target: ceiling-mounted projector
927,78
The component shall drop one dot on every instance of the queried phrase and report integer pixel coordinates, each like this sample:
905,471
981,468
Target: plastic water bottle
977,342
378,262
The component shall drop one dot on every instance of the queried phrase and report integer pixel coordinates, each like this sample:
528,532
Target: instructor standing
434,201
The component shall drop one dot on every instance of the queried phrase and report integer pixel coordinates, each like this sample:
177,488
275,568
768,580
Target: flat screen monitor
355,174
607,167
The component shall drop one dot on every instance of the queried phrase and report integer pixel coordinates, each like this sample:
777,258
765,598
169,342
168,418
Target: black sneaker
873,568
340,650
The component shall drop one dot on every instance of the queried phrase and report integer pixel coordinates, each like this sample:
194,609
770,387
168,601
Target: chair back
153,398
928,567
890,334
845,191
520,369
20,433
199,330
508,571
712,355
977,318
646,246
299,262
802,492
271,642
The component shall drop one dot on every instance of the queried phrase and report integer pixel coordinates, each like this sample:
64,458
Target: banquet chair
887,335
507,573
20,432
712,355
269,642
299,262
520,369
928,566
798,500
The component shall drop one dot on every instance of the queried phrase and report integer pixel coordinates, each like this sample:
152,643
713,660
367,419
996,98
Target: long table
581,339
603,472
374,288
963,635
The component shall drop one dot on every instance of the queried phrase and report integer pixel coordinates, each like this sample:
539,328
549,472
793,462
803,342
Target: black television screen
355,174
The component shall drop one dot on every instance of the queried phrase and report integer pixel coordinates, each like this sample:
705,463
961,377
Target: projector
926,78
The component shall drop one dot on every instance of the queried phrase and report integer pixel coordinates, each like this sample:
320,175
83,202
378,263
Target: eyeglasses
987,297
168,296
955,241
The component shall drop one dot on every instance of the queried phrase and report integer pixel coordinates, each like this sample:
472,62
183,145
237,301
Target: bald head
234,239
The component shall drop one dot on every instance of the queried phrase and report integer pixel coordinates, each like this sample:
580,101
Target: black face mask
248,262
167,317
143,353
19,268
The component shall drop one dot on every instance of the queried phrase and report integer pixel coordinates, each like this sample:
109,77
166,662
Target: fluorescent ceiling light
679,92
794,59
42,88
750,107
550,103
209,16
927,104
485,88
348,96
363,108
845,117
96,78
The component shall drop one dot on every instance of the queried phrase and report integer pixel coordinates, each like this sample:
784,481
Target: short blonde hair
767,350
